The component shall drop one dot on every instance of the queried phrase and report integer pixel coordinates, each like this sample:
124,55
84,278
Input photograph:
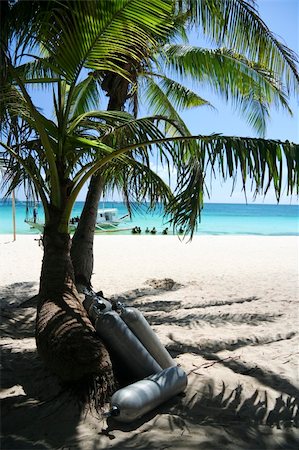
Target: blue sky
282,17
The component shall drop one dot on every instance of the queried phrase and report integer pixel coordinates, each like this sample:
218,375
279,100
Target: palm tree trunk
82,242
66,339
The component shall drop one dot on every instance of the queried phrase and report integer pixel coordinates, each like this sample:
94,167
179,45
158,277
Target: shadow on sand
267,377
17,293
35,405
196,320
207,419
38,413
37,410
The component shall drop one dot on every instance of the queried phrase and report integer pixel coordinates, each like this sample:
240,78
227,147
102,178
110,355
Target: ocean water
216,219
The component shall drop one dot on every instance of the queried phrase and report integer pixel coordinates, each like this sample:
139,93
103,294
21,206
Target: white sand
230,320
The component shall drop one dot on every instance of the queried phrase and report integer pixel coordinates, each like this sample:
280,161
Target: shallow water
217,218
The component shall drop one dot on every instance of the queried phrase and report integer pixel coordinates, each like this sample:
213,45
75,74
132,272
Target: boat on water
107,222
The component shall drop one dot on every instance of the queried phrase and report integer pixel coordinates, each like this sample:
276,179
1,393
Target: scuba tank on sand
130,336
129,342
133,401
141,328
118,336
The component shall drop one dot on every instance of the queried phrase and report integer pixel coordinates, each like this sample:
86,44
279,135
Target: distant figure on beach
165,231
147,230
136,230
153,231
34,214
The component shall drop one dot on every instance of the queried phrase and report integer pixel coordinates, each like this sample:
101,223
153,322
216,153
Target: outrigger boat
107,222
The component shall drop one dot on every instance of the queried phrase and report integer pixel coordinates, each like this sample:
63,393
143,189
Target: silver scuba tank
141,328
113,330
133,401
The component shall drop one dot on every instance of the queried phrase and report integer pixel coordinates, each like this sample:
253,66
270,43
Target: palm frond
248,86
16,176
86,97
39,71
101,34
178,95
21,167
264,162
236,24
100,117
137,181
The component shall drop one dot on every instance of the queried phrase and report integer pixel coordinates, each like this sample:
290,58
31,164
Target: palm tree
253,83
60,155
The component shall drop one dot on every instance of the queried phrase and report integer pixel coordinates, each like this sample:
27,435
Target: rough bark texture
117,90
66,339
82,242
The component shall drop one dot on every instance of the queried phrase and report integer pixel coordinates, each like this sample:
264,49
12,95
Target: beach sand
226,307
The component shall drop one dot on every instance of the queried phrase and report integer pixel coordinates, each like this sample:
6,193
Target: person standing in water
34,214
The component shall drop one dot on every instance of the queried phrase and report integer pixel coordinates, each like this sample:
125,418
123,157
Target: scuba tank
128,335
133,401
141,328
118,336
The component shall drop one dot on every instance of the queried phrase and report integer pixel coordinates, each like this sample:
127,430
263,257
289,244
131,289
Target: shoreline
216,218
128,232
226,307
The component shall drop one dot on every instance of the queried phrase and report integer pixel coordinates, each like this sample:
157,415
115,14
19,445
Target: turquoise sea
217,218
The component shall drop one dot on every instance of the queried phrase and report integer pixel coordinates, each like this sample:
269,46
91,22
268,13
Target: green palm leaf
85,97
137,182
122,36
102,34
250,87
262,161
234,24
164,98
